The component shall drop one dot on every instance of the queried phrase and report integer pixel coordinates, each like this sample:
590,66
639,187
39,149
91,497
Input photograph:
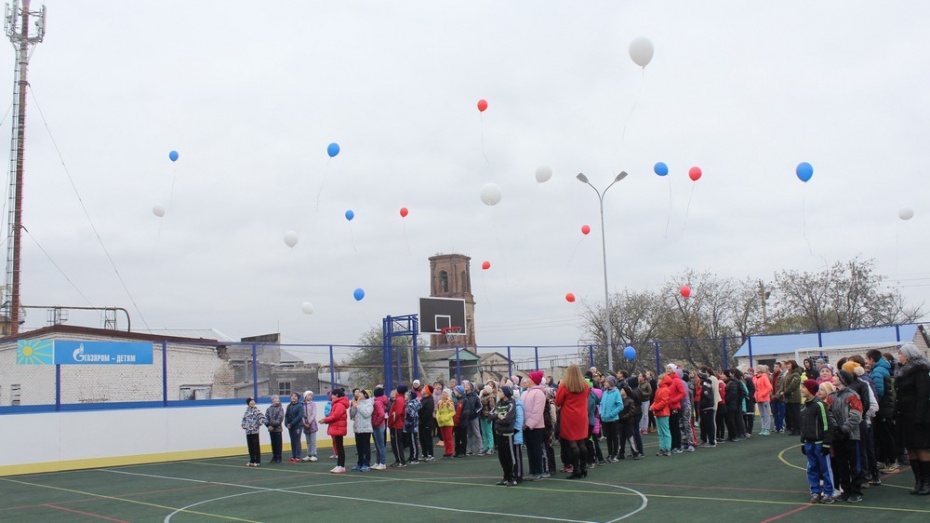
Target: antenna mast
16,23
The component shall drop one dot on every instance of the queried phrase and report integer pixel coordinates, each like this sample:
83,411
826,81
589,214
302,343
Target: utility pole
16,23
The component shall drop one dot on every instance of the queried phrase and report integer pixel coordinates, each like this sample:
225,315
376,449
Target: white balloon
543,174
290,238
906,213
641,51
307,307
158,210
490,194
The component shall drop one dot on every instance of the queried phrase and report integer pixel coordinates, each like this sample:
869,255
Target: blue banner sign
67,352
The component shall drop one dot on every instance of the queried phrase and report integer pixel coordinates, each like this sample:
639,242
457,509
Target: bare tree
846,295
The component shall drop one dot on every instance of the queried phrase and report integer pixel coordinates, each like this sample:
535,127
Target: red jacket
378,415
677,391
338,417
573,425
396,416
660,405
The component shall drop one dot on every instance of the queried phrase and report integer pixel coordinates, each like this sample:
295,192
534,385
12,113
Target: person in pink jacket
763,398
534,423
338,421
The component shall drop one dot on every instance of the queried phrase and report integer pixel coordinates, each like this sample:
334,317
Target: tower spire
16,23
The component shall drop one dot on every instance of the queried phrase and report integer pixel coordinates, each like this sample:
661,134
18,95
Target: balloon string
483,153
630,116
352,237
406,241
570,258
688,208
669,220
322,184
804,223
174,177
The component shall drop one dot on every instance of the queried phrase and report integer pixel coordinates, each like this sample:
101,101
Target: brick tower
450,277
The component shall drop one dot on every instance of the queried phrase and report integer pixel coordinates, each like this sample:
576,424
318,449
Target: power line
86,213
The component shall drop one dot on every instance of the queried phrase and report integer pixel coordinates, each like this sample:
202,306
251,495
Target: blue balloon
804,171
333,149
350,215
661,169
359,294
173,156
629,352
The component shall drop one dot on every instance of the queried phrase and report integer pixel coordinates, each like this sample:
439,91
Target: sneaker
815,499
364,468
339,470
307,459
413,462
875,482
357,467
333,456
313,458
689,449
676,451
429,458
889,469
502,482
401,465
545,475
512,483
826,500
855,498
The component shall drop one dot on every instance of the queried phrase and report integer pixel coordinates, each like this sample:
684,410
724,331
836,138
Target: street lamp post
607,327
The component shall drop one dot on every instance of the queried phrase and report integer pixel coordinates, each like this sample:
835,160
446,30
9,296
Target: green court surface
761,479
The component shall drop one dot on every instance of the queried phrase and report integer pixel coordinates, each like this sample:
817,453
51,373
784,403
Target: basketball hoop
447,333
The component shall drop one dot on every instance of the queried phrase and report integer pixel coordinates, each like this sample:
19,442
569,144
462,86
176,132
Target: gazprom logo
79,356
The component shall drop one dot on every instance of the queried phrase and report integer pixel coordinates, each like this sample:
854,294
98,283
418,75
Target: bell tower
450,277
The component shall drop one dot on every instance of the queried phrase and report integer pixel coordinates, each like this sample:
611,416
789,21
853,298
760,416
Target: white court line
255,490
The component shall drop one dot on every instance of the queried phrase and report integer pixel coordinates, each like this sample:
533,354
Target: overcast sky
251,93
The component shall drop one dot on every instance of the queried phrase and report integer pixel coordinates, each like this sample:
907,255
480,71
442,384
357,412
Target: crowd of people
856,419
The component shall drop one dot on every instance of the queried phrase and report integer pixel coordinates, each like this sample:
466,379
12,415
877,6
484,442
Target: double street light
607,327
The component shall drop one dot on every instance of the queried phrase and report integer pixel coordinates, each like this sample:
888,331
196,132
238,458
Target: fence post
751,363
332,369
254,372
57,387
658,361
726,359
509,363
164,373
536,356
590,355
458,366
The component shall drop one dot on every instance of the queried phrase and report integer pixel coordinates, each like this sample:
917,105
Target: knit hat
811,386
402,389
308,393
460,389
850,367
536,376
427,391
613,381
508,392
379,391
846,378
829,368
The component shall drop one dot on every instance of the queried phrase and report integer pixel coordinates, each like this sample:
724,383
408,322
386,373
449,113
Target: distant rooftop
855,338
206,334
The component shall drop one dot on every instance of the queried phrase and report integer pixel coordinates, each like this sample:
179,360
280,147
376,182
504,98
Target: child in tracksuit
412,426
817,424
504,417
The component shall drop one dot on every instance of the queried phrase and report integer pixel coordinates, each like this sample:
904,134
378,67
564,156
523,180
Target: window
15,394
196,392
444,281
284,389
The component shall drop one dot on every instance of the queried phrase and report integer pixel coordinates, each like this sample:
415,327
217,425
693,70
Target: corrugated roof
788,343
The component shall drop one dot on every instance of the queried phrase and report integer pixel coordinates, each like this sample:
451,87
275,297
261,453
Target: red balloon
694,173
685,291
570,298
585,229
482,105
485,265
404,212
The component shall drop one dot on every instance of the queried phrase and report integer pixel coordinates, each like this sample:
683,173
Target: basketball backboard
439,313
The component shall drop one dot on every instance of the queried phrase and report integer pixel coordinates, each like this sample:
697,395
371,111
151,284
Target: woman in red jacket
572,399
338,426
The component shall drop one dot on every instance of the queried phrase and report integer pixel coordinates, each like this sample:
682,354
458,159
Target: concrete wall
56,441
